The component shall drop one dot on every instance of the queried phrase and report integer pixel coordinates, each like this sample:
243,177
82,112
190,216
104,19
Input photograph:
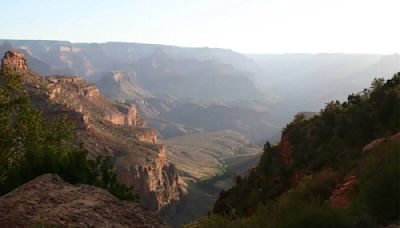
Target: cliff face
157,180
120,85
128,116
105,128
49,201
15,60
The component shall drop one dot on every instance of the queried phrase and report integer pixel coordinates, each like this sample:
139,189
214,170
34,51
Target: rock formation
105,128
341,194
121,86
48,201
128,116
377,142
156,181
15,60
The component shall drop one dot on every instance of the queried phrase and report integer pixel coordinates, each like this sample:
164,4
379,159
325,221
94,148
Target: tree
31,145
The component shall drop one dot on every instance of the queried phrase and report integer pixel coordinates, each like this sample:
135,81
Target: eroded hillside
105,128
339,168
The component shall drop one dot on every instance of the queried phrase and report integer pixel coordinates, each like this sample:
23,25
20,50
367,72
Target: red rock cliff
128,116
106,128
15,60
157,180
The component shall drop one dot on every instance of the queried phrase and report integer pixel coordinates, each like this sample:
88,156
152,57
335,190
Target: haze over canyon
179,123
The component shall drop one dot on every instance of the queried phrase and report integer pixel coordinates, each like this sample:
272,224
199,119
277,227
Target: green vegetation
31,145
220,171
322,150
378,193
297,208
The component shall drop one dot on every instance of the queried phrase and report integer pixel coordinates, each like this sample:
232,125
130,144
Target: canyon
105,128
180,122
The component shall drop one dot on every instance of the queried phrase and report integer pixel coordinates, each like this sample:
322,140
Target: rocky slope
121,86
172,117
207,163
347,156
48,201
191,78
92,60
105,128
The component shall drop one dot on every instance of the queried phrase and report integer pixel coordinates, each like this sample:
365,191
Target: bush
378,194
322,184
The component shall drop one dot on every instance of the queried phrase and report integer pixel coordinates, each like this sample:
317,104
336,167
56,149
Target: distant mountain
192,78
121,86
203,73
174,117
93,59
307,81
280,84
35,63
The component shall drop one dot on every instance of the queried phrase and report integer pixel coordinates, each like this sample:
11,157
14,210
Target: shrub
378,192
31,146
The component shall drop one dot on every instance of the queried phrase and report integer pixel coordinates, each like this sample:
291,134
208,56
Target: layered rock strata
105,128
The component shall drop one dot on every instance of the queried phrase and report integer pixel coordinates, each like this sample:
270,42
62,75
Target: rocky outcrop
86,89
15,60
91,91
133,118
50,202
377,142
148,135
121,86
107,128
373,144
126,115
116,118
341,193
157,181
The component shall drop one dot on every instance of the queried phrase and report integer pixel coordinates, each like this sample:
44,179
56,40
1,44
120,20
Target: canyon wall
105,128
157,180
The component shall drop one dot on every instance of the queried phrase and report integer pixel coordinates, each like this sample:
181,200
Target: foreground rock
48,200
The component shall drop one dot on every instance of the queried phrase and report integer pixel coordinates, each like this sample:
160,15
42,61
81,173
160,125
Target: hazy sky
251,26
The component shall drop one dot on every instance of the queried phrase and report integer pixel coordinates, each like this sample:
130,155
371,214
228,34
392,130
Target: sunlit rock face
128,116
105,128
15,60
157,180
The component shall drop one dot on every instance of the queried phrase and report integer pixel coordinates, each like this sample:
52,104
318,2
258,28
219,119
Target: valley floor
207,163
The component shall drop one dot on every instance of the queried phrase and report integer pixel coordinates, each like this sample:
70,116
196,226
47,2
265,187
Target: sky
247,26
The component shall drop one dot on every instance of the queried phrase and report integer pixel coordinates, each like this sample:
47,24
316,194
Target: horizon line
203,47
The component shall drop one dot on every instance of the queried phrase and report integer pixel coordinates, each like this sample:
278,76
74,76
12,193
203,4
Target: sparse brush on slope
31,145
294,182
